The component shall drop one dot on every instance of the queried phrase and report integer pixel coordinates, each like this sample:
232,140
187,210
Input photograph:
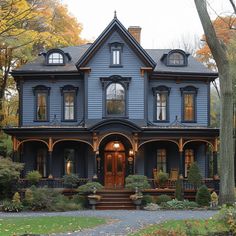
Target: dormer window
176,58
116,54
55,58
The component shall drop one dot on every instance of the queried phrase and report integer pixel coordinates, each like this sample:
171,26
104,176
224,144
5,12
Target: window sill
187,121
68,120
161,121
115,66
41,120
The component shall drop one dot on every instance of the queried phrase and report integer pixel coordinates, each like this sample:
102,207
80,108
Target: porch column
95,177
181,164
50,176
181,157
215,161
215,165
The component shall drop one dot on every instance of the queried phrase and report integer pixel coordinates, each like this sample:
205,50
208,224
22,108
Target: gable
116,26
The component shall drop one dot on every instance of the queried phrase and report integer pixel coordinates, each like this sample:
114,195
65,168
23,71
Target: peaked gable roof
116,25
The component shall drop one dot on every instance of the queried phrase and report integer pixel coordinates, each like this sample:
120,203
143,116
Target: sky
164,23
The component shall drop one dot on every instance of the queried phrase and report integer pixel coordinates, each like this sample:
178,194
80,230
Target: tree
194,175
28,26
219,51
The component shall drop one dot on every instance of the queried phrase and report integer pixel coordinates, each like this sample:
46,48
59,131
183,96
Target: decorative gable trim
115,25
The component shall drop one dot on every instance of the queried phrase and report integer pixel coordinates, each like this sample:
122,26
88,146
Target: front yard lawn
46,224
183,227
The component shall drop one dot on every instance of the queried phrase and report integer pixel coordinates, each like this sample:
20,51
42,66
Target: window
116,53
41,100
189,103
116,57
189,159
55,58
176,58
69,95
161,160
41,162
115,100
69,157
161,94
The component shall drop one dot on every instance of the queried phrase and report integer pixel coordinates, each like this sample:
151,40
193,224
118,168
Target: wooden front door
114,169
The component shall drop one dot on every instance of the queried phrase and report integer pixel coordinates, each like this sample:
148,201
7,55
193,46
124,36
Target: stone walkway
121,222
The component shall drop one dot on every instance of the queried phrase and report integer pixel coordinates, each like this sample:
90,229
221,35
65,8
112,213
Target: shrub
13,206
89,187
227,215
147,199
163,198
179,195
28,197
9,173
203,196
139,181
49,200
71,180
33,177
81,200
9,206
194,176
162,178
175,204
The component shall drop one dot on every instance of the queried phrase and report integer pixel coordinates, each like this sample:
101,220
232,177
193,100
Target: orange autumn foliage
226,31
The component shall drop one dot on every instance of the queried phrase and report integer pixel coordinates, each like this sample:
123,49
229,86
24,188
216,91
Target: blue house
112,108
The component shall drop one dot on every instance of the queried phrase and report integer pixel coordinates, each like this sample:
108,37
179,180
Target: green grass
190,227
46,225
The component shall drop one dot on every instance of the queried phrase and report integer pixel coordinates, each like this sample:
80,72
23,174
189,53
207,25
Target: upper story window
189,94
115,95
69,95
175,57
115,100
116,50
41,94
55,58
161,100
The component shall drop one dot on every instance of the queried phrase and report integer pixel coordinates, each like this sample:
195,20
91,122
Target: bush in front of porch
137,181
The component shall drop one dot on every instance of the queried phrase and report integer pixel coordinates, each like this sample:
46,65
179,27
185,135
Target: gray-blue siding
100,67
175,101
55,100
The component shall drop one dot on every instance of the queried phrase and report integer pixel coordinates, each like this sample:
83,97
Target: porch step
115,200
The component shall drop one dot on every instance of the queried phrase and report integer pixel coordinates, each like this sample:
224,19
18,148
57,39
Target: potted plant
90,190
137,198
71,180
33,177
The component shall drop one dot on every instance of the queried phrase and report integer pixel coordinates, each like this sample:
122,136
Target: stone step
115,207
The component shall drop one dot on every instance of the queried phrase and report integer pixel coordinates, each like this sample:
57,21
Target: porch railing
210,183
51,183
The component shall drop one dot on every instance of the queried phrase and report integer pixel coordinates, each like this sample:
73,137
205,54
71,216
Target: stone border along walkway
120,222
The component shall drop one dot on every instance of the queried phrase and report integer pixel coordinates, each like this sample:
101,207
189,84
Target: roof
80,55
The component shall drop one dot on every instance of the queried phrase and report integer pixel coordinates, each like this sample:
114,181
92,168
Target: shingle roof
76,52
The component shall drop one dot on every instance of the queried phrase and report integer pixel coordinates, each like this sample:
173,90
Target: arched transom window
55,58
115,100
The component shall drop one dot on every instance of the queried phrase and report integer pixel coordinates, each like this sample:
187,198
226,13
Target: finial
115,14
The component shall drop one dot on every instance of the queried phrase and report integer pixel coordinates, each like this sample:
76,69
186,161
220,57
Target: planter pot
137,202
93,201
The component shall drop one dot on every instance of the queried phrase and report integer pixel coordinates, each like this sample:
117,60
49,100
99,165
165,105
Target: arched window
55,58
176,58
115,100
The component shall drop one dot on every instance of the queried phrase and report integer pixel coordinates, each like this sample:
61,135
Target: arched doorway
114,165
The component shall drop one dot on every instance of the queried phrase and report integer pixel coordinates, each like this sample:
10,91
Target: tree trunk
1,106
219,53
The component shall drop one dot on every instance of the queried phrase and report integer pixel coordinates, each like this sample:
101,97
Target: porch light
116,145
131,152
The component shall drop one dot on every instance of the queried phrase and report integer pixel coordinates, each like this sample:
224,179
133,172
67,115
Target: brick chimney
135,31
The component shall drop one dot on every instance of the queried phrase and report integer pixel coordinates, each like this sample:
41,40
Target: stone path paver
122,222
